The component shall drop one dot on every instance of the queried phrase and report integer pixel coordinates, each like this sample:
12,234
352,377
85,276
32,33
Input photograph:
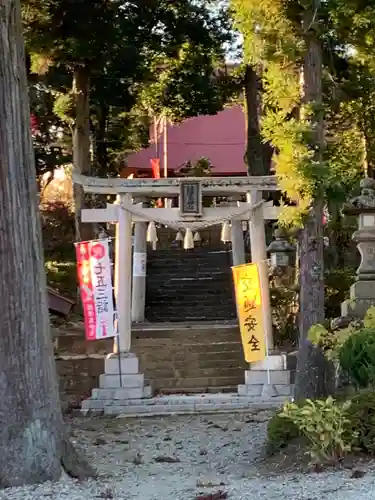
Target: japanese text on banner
86,288
102,286
250,311
94,272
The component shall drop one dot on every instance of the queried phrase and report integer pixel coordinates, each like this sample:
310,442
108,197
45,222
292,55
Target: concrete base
121,382
183,405
268,379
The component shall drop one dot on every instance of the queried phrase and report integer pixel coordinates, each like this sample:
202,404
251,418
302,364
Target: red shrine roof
221,138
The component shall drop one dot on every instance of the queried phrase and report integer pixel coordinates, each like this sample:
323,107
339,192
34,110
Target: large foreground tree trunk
314,374
33,441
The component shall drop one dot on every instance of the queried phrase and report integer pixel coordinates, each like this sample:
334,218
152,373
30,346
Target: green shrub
337,282
361,415
325,424
284,300
280,432
357,358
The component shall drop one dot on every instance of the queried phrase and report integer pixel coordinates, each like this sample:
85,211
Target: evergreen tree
115,49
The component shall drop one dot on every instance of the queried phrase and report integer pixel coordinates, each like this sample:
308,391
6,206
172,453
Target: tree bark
314,375
101,150
81,145
257,154
33,441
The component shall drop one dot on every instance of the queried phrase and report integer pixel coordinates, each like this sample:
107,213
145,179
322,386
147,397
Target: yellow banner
249,311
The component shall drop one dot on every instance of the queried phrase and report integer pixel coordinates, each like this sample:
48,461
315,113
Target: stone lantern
280,250
362,292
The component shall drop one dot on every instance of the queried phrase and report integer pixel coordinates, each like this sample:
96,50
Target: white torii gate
122,214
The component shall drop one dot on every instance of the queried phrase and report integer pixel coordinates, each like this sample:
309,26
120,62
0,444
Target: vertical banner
155,165
86,288
250,311
94,272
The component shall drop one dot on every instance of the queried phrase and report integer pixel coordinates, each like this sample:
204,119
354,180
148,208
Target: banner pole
118,353
264,263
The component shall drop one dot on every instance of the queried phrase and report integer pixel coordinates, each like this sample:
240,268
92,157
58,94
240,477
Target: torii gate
190,211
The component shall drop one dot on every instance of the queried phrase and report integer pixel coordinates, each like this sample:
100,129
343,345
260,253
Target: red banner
155,165
86,288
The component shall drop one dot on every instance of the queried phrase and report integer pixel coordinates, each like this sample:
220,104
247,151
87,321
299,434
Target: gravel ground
180,458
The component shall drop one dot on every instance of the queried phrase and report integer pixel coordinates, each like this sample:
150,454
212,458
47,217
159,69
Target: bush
337,282
284,302
58,231
361,415
325,424
62,276
280,432
357,358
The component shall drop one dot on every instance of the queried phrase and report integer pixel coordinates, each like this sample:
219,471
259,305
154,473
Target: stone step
190,339
176,318
180,404
225,389
256,390
122,393
191,345
183,333
190,370
188,287
202,382
180,366
191,254
222,302
207,283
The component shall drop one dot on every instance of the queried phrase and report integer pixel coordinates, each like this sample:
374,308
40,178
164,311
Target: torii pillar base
268,380
120,383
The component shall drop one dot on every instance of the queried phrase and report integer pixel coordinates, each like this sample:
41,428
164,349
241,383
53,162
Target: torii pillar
121,380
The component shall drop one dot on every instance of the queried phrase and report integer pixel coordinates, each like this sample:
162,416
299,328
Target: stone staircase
185,359
190,359
189,285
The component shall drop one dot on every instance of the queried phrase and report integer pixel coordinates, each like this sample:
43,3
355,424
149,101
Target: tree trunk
314,373
81,145
33,440
254,151
101,150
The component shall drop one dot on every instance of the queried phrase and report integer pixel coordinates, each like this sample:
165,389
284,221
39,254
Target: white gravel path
211,453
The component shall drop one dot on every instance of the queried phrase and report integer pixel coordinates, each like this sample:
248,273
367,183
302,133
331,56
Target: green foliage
62,276
280,432
58,238
284,304
58,231
274,40
325,424
369,321
142,57
361,415
330,342
337,282
357,357
64,108
202,168
49,133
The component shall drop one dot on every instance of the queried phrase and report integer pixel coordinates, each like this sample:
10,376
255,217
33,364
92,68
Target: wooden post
139,272
123,273
259,255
